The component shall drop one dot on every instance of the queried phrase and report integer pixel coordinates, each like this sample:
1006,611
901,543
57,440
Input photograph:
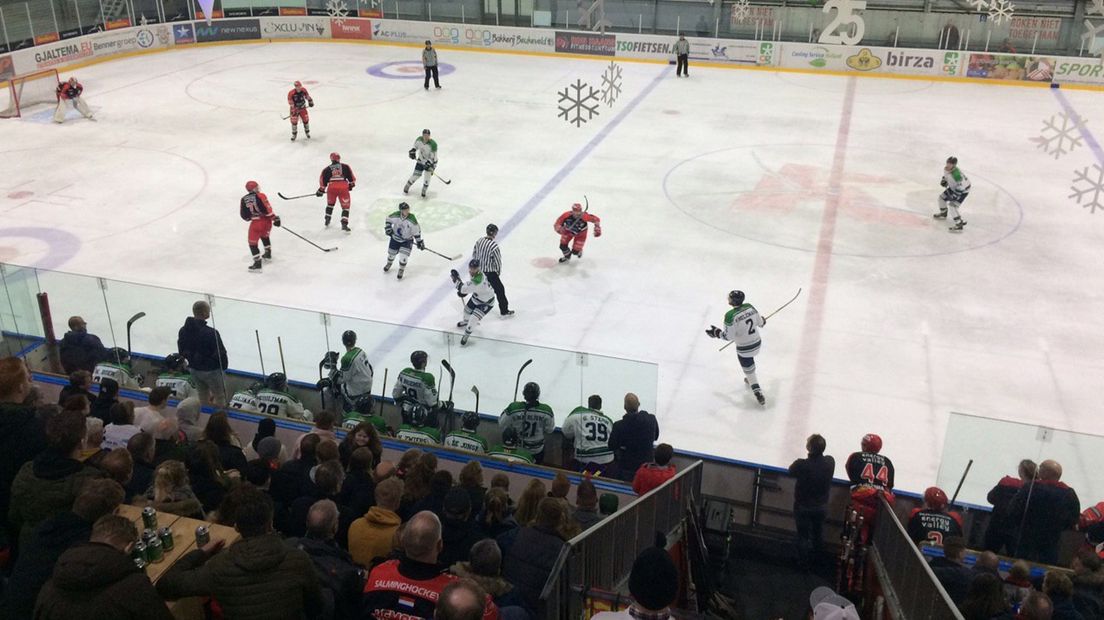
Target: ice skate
256,266
308,134
267,254
406,188
327,222
399,275
942,215
507,313
387,267
958,226
293,137
565,258
423,192
757,391
345,227
464,339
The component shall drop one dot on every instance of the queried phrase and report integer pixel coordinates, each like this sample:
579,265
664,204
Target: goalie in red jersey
298,100
572,228
256,210
335,181
71,91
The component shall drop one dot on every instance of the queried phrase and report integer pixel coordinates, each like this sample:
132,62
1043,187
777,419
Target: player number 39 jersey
590,430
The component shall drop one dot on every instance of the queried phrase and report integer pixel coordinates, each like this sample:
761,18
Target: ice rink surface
731,179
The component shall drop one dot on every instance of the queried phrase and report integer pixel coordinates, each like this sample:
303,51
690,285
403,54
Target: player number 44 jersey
868,468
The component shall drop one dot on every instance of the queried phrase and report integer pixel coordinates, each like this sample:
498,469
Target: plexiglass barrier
262,338
998,446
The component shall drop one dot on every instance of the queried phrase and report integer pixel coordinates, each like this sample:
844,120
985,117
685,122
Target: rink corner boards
601,58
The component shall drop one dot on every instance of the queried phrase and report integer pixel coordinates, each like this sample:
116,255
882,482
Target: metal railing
602,556
910,588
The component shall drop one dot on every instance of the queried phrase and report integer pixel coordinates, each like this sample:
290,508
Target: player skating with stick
298,99
424,154
777,310
741,325
256,210
957,189
572,228
481,301
336,181
405,232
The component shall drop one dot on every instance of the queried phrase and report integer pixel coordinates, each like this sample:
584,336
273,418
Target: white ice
730,179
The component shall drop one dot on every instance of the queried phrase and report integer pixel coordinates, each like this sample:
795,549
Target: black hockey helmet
419,359
403,206
531,392
348,338
510,437
736,297
175,361
492,229
276,381
473,263
363,404
952,160
470,420
119,355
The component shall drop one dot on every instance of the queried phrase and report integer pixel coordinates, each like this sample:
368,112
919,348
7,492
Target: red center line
805,374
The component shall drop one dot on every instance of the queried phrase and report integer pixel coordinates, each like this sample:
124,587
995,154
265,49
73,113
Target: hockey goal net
23,91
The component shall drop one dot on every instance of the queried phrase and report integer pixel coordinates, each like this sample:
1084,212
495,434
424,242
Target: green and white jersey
352,419
415,387
356,373
590,431
741,325
426,152
245,400
120,373
479,288
466,440
956,181
419,434
275,402
532,422
402,230
181,384
514,455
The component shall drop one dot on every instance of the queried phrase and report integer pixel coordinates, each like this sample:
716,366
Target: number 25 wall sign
839,29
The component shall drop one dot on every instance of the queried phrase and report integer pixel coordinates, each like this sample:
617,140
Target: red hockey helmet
935,498
577,207
251,185
871,443
335,156
298,84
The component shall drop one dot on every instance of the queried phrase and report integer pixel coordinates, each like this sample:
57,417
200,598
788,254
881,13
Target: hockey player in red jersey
933,522
336,180
871,475
256,210
572,228
71,91
298,100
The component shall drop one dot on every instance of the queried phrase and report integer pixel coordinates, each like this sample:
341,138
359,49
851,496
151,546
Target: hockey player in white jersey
424,154
176,377
353,373
403,229
246,400
118,368
415,390
741,325
467,438
274,399
480,302
956,189
589,431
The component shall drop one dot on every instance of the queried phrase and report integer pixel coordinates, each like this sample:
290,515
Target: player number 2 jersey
741,325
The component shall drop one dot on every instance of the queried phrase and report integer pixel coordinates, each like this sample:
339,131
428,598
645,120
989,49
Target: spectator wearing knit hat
653,584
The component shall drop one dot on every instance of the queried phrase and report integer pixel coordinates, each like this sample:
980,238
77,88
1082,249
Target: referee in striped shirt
490,261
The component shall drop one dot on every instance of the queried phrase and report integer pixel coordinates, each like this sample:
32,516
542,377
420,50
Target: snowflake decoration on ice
337,10
741,10
611,84
1086,186
1056,136
1000,10
578,103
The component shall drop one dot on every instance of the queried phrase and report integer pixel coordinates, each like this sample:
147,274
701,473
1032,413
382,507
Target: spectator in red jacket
652,475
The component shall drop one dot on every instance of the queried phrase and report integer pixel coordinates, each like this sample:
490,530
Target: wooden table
183,531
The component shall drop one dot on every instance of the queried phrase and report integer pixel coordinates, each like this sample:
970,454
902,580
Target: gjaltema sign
53,55
583,43
292,28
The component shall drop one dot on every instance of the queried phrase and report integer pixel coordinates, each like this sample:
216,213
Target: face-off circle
406,70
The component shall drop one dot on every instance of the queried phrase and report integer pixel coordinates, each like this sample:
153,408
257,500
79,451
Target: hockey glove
455,275
597,230
352,186
559,230
276,221
446,406
319,192
323,384
420,244
713,331
943,182
311,103
429,167
388,229
411,153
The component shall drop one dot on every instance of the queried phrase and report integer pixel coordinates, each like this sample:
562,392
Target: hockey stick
587,208
443,179
259,353
308,240
383,389
129,323
295,197
280,343
962,480
475,391
769,315
442,255
452,377
322,392
518,381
